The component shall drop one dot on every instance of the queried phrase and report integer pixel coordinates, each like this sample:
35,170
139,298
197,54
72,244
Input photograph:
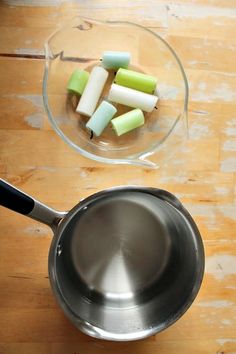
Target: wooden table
35,159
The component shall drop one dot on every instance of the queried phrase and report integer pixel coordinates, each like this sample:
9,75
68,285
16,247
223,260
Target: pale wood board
203,175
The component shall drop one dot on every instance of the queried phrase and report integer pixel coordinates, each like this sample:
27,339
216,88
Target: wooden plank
20,142
203,188
186,19
211,86
206,86
58,150
212,3
45,17
204,53
22,40
198,191
33,291
22,111
55,3
141,347
27,76
124,11
40,17
207,21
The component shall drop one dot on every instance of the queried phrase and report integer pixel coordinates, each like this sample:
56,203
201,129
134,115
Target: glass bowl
80,44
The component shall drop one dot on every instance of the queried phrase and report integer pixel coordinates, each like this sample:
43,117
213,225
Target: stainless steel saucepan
124,263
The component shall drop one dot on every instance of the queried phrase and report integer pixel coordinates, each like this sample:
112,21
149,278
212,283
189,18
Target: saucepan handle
16,200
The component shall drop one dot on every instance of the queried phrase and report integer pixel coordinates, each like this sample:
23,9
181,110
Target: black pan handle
16,200
12,198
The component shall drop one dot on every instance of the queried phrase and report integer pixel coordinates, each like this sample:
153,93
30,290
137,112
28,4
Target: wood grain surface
35,159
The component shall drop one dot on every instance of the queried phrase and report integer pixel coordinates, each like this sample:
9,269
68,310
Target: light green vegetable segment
101,117
128,121
78,81
136,80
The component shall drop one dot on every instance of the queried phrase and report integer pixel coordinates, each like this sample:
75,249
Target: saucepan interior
126,264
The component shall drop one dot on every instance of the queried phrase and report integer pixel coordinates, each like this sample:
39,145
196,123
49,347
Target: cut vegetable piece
78,81
92,91
136,80
115,60
132,98
128,121
101,117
